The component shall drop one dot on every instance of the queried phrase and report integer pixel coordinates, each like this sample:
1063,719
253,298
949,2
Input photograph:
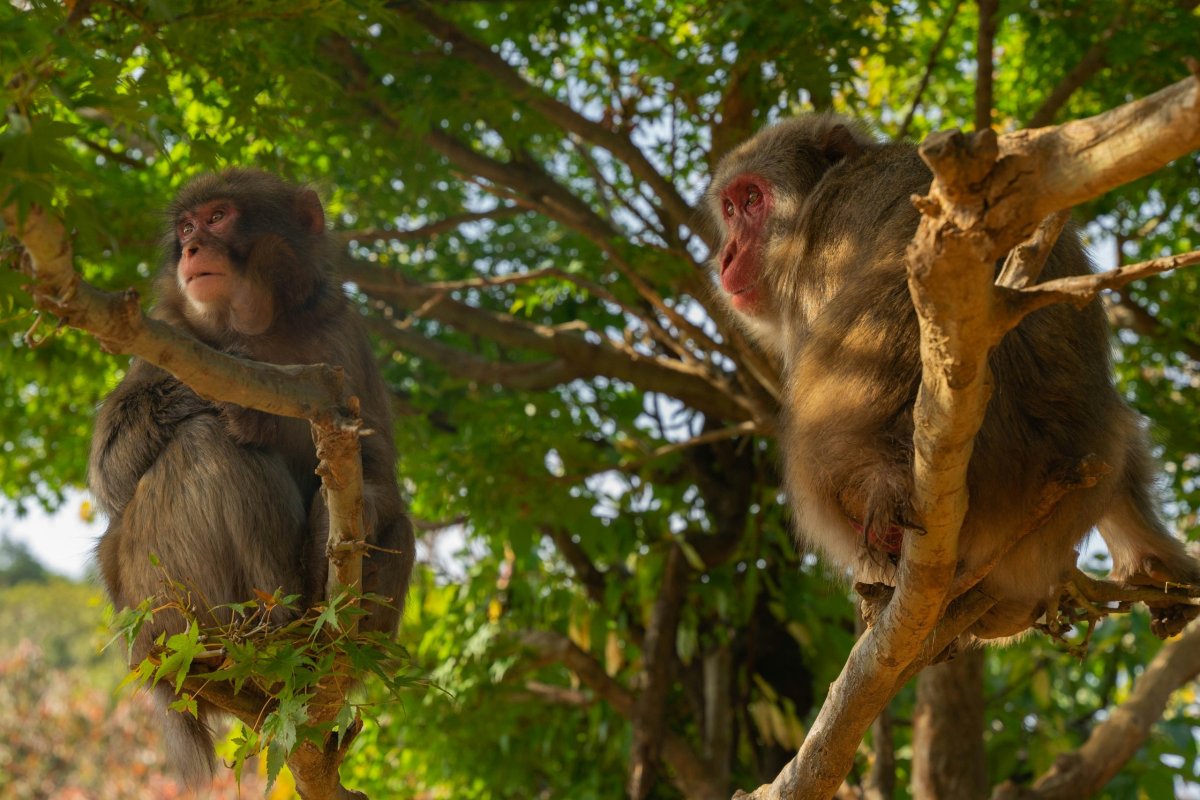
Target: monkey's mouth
191,273
746,299
202,284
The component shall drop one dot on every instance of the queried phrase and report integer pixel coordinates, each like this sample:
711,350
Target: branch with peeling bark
987,196
313,392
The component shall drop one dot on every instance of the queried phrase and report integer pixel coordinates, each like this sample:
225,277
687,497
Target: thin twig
1080,290
929,67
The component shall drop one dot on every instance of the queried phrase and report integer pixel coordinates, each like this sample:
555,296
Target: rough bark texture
949,762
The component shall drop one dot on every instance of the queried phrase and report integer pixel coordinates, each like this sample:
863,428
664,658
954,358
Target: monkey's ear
840,143
309,211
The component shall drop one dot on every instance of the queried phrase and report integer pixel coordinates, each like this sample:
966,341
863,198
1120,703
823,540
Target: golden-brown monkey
814,218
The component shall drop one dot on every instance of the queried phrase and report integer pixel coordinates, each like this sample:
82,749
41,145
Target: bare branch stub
960,162
340,456
1025,261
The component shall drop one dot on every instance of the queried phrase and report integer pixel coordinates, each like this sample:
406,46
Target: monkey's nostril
727,256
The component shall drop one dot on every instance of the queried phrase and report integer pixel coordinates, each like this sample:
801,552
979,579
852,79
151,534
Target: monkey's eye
217,216
753,196
729,208
187,228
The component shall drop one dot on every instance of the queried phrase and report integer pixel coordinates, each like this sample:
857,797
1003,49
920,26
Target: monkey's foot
1171,620
1153,572
1171,607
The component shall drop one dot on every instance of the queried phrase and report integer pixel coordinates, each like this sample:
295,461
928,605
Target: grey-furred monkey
224,497
814,217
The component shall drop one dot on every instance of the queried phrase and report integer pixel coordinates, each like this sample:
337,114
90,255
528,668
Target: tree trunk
948,755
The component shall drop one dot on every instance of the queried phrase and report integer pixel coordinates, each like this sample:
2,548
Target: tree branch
1091,63
934,52
1125,312
658,655
432,229
117,321
545,193
1075,162
985,68
535,376
552,109
692,384
594,579
1079,290
1024,263
1113,742
691,774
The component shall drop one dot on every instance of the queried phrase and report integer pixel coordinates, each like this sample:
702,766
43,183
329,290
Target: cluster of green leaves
286,664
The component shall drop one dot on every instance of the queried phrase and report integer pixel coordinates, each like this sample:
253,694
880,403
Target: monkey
813,218
225,499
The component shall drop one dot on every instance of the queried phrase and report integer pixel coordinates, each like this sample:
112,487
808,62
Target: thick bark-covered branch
1042,171
1024,263
949,761
984,68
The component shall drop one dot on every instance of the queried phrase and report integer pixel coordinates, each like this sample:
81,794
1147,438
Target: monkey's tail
187,740
1143,550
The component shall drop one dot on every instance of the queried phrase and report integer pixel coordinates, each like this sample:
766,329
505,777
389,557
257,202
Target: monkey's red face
745,207
205,272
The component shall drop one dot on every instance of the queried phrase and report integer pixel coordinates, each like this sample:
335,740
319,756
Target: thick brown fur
814,220
224,497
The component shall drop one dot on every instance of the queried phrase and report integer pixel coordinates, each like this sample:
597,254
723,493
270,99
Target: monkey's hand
885,500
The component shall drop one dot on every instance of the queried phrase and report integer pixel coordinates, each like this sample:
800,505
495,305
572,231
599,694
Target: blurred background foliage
567,143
